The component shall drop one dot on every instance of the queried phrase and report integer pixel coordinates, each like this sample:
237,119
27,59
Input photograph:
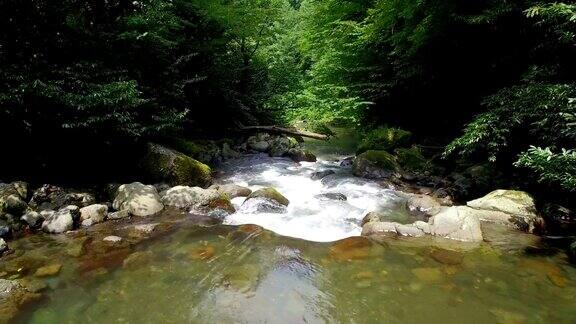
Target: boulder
332,196
232,190
378,228
375,165
118,214
372,217
301,155
138,199
409,230
182,196
279,146
318,175
3,246
32,218
270,194
423,204
60,221
262,205
49,197
13,297
13,198
166,165
509,207
458,223
259,142
93,214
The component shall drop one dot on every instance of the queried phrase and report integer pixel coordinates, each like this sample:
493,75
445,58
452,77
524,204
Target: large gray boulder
93,214
60,221
459,223
182,196
232,190
138,199
510,207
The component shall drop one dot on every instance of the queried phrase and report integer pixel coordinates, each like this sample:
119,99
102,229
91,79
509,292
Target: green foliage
411,159
384,138
551,168
520,114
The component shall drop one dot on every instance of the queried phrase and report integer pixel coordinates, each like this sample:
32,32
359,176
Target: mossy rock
411,159
167,165
270,193
384,138
223,202
375,165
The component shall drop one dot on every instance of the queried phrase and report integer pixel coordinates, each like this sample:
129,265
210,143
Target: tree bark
282,130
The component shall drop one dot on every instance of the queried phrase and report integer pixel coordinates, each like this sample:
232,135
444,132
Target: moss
223,202
175,168
412,159
270,193
380,159
384,138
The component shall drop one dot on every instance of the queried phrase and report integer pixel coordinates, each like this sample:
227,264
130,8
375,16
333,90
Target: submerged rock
509,207
13,297
60,221
175,168
93,214
48,271
138,199
375,165
332,196
270,194
318,175
350,249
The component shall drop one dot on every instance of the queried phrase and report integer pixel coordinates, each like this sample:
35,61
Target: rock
112,239
13,297
572,251
372,217
458,223
300,155
49,197
138,199
228,153
145,228
428,275
203,253
119,214
232,190
347,161
137,260
423,204
262,205
510,207
48,271
350,249
32,218
331,196
5,228
271,194
375,165
60,221
3,246
444,256
12,198
409,230
93,214
378,228
423,226
279,146
182,196
166,165
318,175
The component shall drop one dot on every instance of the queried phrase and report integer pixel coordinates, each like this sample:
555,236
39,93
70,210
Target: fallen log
282,130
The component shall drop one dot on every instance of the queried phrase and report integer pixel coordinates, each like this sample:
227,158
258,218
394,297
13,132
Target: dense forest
491,82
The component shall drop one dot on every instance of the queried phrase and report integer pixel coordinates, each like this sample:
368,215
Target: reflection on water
248,275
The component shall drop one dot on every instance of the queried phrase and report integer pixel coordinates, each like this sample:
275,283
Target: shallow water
186,273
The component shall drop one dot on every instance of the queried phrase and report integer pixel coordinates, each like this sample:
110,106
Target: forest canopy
491,80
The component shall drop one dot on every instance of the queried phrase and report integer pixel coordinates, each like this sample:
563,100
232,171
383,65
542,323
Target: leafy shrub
551,168
384,138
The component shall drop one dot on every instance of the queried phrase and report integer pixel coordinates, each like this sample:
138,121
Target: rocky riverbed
367,230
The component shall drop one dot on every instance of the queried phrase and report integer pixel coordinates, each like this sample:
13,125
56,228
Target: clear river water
307,265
